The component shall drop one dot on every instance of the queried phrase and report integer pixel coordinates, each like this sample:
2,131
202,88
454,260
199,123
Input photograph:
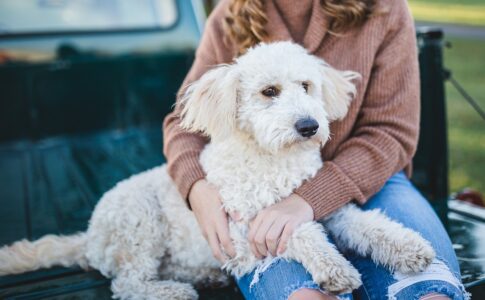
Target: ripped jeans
400,201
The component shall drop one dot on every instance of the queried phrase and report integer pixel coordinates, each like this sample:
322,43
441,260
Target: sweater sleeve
182,148
384,137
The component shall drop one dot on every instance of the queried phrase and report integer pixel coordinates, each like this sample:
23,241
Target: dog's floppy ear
209,104
338,90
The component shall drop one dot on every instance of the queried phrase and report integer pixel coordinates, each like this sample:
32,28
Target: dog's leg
128,239
138,272
309,245
199,277
132,284
137,257
387,242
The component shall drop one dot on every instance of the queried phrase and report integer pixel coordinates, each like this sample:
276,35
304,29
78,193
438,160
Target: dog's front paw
337,277
415,256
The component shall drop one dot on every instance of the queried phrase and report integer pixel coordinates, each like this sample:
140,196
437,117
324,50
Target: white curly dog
267,116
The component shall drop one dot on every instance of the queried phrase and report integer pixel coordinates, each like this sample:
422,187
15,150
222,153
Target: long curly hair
245,19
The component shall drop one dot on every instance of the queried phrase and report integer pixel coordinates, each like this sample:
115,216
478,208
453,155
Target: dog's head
277,94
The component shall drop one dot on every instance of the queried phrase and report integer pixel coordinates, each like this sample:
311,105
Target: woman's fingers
260,239
222,230
255,250
215,246
260,235
207,207
220,241
285,236
253,227
273,235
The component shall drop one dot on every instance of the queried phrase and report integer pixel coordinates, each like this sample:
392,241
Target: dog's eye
305,86
270,91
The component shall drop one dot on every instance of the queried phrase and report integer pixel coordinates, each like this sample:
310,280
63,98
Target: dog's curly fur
143,235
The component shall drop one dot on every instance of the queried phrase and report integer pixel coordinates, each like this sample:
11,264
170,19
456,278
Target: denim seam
366,291
367,287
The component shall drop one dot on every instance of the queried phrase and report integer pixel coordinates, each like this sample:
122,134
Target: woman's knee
310,294
437,282
435,296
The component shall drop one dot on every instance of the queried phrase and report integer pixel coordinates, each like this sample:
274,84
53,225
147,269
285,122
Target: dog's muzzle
306,127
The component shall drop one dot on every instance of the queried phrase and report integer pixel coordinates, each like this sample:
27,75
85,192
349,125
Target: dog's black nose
306,127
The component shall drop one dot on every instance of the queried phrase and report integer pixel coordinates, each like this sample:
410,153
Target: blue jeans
400,201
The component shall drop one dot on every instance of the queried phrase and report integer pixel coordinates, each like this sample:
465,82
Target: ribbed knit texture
377,138
296,17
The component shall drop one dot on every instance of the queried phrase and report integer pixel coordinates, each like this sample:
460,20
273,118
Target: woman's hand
206,204
273,226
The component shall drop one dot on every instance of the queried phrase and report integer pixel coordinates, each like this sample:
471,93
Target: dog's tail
50,250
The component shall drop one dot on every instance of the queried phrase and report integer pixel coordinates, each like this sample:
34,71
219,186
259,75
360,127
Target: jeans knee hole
290,290
436,278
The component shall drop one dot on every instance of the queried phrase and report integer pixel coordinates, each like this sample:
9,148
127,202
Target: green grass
466,60
469,12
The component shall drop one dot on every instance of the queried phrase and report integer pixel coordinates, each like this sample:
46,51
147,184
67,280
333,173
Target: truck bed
52,186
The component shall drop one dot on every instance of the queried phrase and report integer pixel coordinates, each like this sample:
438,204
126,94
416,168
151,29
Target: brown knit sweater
376,139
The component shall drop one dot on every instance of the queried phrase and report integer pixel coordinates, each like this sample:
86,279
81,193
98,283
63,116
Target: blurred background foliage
471,12
466,129
465,58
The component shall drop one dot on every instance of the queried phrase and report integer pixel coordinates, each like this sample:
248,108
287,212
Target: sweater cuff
187,171
329,190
